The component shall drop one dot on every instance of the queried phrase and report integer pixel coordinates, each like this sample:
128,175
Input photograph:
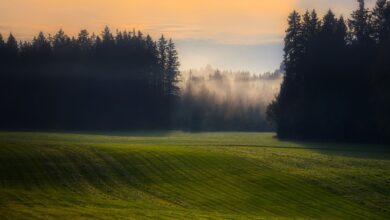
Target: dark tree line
108,81
337,81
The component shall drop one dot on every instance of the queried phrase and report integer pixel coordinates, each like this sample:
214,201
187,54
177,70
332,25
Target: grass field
176,175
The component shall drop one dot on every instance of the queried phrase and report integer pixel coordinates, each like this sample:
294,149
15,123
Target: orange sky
206,31
222,20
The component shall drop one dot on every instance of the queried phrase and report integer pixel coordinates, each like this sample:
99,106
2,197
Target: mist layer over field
225,100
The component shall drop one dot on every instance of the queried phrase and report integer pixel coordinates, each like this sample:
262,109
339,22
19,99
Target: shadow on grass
119,133
362,150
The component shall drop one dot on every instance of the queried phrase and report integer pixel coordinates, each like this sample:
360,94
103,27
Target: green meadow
178,175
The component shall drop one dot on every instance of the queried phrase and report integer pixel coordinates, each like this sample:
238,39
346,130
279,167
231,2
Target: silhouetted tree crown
360,25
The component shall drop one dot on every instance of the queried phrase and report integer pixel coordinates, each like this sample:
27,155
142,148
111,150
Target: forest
123,81
90,82
337,76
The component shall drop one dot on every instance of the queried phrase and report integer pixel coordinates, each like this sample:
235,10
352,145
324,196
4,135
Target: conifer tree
107,36
2,42
162,46
329,24
341,32
41,45
11,48
162,50
84,41
310,25
61,44
359,24
172,69
380,20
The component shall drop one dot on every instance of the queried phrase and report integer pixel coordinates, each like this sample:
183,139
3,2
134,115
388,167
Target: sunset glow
192,24
222,20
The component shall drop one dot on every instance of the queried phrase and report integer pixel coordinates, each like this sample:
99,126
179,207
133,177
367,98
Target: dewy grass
177,175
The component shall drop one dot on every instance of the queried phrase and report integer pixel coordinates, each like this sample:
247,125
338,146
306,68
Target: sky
227,34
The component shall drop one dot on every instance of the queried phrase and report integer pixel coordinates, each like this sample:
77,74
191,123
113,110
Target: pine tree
379,20
162,47
172,71
341,31
84,41
11,48
329,23
61,43
282,111
2,50
2,42
155,71
42,45
108,42
293,43
359,25
60,38
315,22
107,36
162,51
310,26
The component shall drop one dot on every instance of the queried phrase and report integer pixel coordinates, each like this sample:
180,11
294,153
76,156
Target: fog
215,99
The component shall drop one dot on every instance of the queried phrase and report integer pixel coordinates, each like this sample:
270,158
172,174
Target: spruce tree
293,48
107,36
2,50
341,32
162,51
329,24
162,47
359,24
2,42
283,110
61,44
11,48
380,20
41,44
172,72
310,25
84,41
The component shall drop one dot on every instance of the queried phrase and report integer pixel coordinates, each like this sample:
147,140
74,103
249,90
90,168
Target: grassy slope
180,175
